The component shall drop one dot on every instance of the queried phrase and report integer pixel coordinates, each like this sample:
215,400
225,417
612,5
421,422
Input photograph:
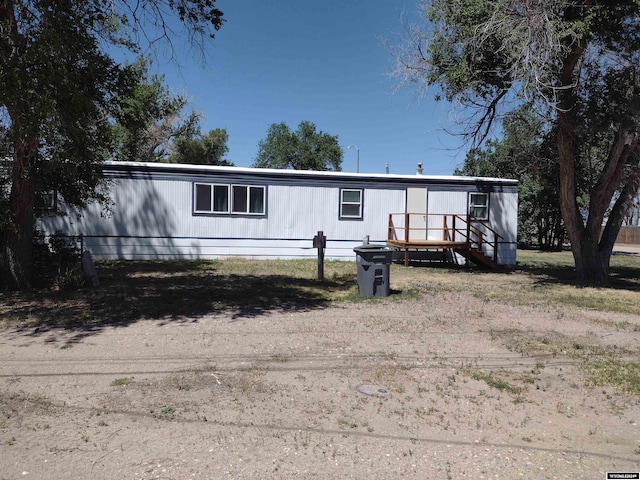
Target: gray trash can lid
371,248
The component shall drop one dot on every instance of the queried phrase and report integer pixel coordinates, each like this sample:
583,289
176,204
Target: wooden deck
460,234
426,244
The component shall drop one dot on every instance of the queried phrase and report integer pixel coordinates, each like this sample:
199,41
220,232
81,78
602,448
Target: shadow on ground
170,291
621,277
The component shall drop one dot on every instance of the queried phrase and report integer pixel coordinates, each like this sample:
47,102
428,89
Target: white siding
503,215
145,248
154,219
152,212
441,203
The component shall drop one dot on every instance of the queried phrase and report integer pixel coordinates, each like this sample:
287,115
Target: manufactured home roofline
272,172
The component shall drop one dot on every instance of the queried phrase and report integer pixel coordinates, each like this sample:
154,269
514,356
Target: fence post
81,248
320,243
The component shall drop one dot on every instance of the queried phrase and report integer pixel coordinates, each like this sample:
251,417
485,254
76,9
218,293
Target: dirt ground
440,387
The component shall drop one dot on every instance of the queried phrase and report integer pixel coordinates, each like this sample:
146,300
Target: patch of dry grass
136,290
601,365
540,279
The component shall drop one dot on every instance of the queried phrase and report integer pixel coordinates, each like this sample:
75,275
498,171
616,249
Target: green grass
133,291
541,279
168,411
120,382
601,365
612,371
493,381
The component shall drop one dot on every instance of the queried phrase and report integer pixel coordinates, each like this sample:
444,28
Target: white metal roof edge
300,173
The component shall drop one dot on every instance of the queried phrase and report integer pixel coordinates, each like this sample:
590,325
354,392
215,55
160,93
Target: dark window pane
203,198
479,212
351,196
256,200
220,198
350,210
478,199
240,199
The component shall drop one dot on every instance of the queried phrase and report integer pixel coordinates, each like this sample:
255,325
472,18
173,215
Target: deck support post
453,239
406,227
407,220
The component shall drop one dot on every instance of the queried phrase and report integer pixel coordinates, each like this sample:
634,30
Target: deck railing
451,228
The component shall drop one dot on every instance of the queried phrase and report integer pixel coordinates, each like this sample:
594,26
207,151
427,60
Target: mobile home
174,211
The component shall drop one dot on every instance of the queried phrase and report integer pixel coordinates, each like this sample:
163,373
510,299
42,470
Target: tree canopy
149,123
523,154
57,83
304,149
575,63
148,117
208,149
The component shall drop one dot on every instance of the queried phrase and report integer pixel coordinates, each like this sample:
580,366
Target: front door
417,208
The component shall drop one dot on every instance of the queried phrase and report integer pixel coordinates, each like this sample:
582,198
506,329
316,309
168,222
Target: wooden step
476,256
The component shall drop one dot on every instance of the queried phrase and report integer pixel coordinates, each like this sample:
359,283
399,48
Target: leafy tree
577,63
523,154
56,85
208,149
149,125
148,117
304,149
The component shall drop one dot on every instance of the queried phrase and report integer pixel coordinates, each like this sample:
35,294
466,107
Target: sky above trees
324,62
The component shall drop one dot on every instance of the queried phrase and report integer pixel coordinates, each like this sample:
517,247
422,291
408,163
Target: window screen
350,203
479,205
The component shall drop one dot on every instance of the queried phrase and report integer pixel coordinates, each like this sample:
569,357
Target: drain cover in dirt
372,390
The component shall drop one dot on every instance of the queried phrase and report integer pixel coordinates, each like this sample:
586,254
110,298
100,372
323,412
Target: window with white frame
350,203
247,199
221,199
479,206
210,198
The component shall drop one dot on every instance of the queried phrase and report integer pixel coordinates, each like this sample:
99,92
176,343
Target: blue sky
326,62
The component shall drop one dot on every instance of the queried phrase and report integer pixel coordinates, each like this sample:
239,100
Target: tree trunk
17,241
592,266
591,258
591,245
582,245
618,214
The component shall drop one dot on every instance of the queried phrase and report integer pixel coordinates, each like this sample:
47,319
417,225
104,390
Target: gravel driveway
438,387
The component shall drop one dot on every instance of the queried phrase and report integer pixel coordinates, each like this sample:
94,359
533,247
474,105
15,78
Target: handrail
470,230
